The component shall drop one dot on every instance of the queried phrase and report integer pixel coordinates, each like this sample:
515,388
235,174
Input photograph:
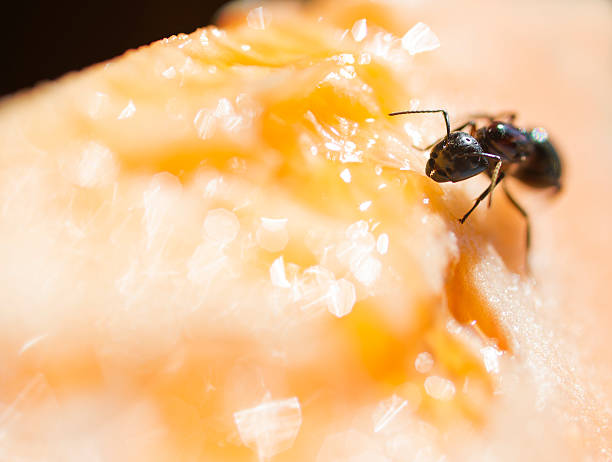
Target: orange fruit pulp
220,247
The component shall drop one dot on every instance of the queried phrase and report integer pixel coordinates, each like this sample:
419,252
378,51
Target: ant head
456,158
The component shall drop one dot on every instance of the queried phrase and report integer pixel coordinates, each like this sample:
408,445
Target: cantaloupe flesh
139,310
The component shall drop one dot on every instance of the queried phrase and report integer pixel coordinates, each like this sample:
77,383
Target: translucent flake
221,225
37,392
346,175
256,19
359,30
245,47
382,244
169,73
490,357
272,234
366,58
420,39
341,298
348,72
344,58
217,32
277,273
97,103
424,362
386,411
128,111
439,388
204,38
271,427
32,342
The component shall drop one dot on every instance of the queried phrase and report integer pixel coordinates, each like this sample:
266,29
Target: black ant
500,149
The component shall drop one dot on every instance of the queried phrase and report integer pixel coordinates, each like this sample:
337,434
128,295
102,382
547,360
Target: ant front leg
484,194
494,177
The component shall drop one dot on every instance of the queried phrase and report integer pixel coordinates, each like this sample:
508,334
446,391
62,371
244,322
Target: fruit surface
220,247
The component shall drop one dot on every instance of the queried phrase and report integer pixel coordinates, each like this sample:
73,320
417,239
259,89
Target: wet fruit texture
219,247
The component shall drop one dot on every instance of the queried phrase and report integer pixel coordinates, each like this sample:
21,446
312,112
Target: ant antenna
428,111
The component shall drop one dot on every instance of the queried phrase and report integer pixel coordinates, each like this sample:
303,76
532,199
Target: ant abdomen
542,169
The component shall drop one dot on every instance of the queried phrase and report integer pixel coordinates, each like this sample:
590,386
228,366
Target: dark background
42,40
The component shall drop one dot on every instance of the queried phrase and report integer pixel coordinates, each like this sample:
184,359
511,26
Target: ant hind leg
522,212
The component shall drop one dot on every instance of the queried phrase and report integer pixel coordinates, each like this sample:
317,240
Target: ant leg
508,115
484,194
494,177
471,124
496,171
522,212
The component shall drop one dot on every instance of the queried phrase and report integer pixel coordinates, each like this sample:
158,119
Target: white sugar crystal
382,244
357,230
159,199
272,234
346,175
439,388
359,30
221,225
490,357
424,362
341,298
270,428
204,38
30,343
95,166
277,273
365,205
413,133
367,270
256,19
274,224
169,73
96,104
128,111
205,123
351,446
206,262
420,39
312,292
386,411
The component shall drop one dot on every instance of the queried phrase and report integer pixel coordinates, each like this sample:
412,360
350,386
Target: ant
499,148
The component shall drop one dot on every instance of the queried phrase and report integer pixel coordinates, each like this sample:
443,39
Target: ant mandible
499,148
